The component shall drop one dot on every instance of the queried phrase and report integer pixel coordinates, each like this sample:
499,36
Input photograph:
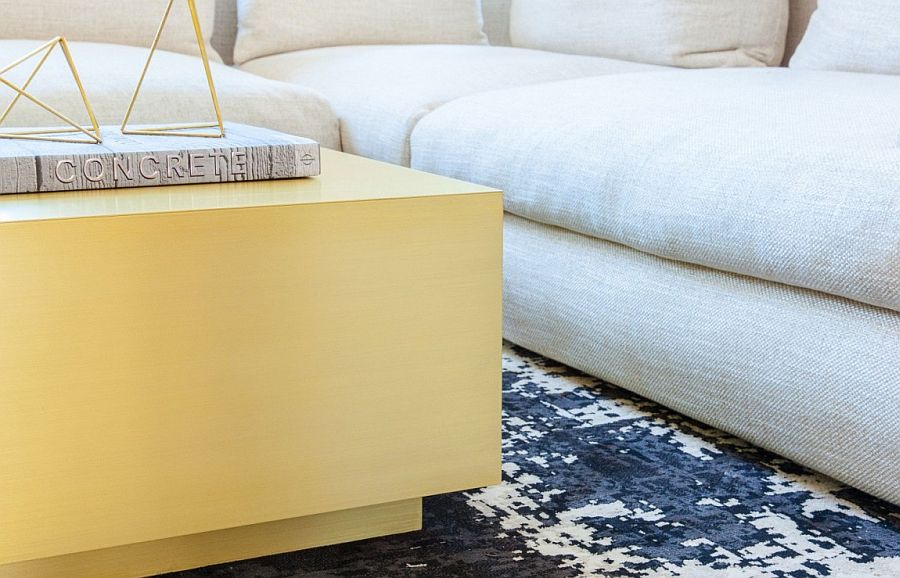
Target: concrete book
121,161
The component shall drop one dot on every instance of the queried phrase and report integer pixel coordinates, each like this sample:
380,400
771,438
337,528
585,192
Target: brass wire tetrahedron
188,129
91,134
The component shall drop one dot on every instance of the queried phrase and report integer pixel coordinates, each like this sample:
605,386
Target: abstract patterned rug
600,482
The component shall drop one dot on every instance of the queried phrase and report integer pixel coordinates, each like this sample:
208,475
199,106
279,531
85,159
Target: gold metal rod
205,57
173,127
25,86
47,131
15,136
87,103
48,108
152,133
137,90
9,67
46,134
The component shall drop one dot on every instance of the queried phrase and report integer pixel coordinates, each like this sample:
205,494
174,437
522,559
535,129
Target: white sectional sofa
724,241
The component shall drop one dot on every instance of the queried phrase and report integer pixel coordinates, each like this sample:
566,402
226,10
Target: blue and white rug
600,482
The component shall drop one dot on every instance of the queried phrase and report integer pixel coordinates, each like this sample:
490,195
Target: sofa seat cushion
778,174
381,92
175,91
810,376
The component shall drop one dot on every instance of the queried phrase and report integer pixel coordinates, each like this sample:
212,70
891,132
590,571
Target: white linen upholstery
275,26
381,92
852,36
684,33
812,377
496,25
783,175
130,22
175,91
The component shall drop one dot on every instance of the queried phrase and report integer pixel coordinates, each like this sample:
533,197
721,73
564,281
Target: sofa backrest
225,31
496,25
801,10
496,21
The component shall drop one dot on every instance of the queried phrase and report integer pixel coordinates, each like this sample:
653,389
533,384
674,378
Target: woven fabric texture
779,174
275,26
175,91
813,377
852,36
129,22
381,92
684,33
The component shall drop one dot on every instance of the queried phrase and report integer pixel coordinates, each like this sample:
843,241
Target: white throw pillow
274,26
686,33
852,36
130,22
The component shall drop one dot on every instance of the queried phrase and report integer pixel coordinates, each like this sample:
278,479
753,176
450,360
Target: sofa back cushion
852,36
130,22
273,26
496,25
687,33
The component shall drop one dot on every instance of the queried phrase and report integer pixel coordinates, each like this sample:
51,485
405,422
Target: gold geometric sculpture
188,129
91,133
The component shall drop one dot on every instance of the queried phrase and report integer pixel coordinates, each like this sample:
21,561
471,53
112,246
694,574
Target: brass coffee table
195,375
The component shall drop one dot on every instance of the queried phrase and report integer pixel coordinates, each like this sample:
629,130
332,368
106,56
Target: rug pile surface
600,482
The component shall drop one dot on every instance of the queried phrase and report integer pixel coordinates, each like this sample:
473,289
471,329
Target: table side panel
178,373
